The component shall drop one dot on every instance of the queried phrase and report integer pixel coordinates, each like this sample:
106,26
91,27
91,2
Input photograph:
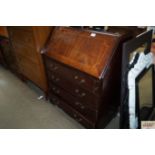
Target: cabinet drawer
88,110
72,112
75,76
82,94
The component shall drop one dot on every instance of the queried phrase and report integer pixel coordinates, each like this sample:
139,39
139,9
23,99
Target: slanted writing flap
86,51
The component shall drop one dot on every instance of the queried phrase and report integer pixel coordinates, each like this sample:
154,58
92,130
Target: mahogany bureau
83,70
3,34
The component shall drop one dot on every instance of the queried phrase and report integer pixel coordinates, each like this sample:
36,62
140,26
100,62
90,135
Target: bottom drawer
83,108
72,112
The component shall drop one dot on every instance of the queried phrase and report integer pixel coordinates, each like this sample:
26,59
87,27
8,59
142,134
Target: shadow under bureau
83,69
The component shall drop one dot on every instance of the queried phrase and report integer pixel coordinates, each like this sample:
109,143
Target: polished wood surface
71,111
3,31
27,42
84,50
57,71
76,84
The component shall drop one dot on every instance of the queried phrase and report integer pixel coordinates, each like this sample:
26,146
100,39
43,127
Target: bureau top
84,50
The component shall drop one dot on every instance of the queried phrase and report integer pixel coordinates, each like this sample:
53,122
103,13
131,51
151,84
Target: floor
20,107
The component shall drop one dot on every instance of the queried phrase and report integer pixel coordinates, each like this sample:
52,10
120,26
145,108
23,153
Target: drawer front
72,112
84,108
83,95
83,80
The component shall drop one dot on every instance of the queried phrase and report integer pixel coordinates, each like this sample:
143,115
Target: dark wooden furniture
2,61
83,69
3,31
6,58
27,42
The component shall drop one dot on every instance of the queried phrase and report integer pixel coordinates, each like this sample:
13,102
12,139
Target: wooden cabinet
83,69
3,31
7,56
27,43
7,59
1,58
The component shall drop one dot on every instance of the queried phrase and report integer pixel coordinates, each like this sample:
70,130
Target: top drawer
75,76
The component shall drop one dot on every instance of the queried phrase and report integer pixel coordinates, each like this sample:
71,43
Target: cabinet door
30,70
29,59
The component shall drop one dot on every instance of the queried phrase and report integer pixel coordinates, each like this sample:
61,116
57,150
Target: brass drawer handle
83,94
55,68
53,88
82,107
77,103
76,77
57,91
77,90
52,66
57,79
82,81
54,78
